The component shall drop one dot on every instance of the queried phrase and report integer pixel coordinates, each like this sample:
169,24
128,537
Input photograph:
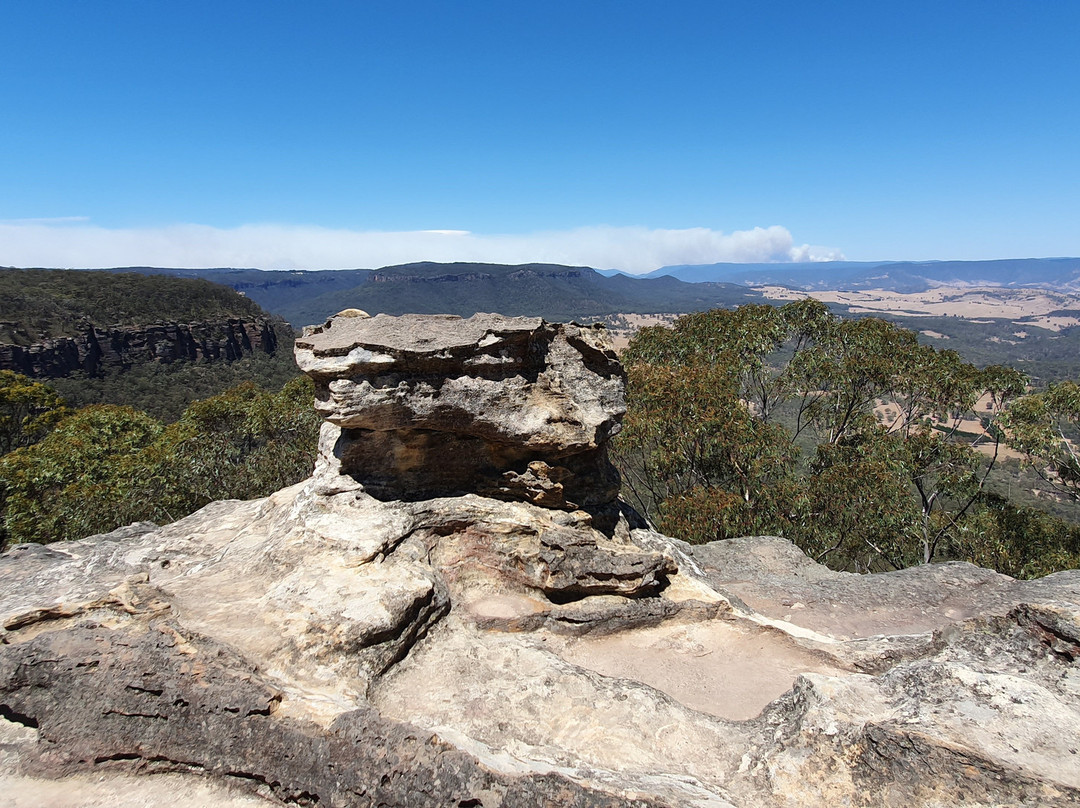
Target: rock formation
422,406
479,640
96,348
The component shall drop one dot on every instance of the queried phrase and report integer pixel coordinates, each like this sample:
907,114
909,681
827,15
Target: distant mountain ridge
1062,274
556,292
560,293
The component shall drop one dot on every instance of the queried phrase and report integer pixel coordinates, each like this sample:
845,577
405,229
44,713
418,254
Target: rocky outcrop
421,406
98,349
327,646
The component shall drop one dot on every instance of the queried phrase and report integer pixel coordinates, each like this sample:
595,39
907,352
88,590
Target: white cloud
72,243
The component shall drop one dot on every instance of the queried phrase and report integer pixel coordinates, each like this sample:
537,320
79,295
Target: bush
106,466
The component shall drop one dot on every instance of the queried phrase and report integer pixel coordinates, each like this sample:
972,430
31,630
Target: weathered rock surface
356,652
420,406
325,646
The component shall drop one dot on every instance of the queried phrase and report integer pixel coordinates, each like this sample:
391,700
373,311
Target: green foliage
858,505
1018,541
703,401
763,419
55,489
242,444
1045,428
28,410
105,466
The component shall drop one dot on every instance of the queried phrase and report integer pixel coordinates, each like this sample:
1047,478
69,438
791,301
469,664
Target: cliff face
383,277
98,349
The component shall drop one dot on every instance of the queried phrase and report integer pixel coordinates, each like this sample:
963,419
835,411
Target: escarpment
456,609
98,349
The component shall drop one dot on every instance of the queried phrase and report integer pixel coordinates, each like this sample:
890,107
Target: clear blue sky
872,129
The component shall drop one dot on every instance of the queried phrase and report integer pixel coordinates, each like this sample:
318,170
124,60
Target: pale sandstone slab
260,628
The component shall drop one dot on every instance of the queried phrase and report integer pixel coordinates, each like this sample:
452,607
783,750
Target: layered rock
420,406
97,349
338,645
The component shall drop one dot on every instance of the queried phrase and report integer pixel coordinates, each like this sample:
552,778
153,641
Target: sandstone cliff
514,636
97,349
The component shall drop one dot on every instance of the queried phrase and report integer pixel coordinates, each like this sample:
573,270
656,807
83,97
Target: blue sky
617,134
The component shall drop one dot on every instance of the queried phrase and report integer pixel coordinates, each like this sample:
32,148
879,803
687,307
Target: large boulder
419,406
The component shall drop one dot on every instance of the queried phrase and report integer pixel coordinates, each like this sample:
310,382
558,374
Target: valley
1040,308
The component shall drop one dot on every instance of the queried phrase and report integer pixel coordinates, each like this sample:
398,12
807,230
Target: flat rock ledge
344,643
344,651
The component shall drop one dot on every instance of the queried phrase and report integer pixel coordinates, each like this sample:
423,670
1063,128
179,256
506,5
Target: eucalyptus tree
702,451
764,419
28,410
105,466
1045,428
59,487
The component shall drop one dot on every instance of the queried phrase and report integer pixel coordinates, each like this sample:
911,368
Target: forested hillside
154,342
1045,355
69,472
868,449
40,304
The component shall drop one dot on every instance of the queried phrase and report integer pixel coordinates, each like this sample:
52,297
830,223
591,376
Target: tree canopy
28,410
848,436
105,466
1045,427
